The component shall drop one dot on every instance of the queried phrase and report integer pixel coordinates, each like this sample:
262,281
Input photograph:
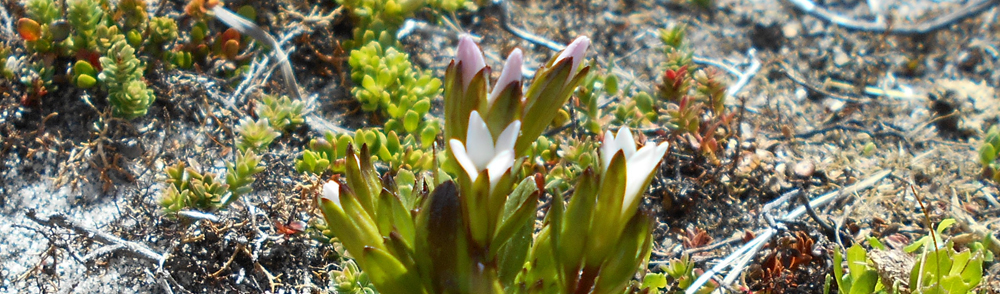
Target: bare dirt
929,100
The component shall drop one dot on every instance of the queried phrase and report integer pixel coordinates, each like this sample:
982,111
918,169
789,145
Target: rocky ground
845,101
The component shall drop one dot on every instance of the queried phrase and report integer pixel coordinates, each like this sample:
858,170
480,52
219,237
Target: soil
930,97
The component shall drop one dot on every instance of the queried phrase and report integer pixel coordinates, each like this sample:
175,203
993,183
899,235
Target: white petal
463,159
331,191
608,149
511,73
639,167
661,149
625,141
479,141
508,138
499,165
471,58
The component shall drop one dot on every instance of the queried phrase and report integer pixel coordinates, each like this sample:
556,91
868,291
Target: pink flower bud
577,50
470,57
511,73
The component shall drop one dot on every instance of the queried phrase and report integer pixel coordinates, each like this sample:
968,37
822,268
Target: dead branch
940,22
59,220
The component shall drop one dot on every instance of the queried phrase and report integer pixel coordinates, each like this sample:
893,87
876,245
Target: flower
639,164
331,191
471,59
481,152
576,50
511,73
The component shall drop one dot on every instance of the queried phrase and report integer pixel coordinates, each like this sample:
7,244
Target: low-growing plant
861,277
188,188
989,150
680,273
123,78
324,154
693,105
471,231
103,42
255,135
350,279
389,84
283,114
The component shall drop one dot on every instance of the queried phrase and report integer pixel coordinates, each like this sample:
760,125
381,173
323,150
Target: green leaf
865,282
875,243
519,211
843,281
411,121
388,273
944,225
85,81
987,154
579,212
654,281
611,84
443,227
857,262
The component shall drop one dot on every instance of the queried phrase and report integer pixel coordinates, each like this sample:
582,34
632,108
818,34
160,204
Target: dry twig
940,22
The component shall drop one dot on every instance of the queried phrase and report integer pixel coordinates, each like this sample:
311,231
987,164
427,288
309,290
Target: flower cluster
473,231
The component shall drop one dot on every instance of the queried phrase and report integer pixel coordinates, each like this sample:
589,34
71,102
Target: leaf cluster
123,78
283,113
388,83
189,189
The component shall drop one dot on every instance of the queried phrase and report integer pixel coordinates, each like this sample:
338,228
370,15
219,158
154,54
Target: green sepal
505,109
443,235
550,90
518,211
626,257
459,102
609,205
474,198
357,181
341,225
388,273
579,212
496,202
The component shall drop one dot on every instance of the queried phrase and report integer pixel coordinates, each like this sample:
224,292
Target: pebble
804,168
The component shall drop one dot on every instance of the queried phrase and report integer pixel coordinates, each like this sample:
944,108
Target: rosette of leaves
122,76
681,273
108,36
255,135
675,48
162,31
132,14
283,113
351,279
323,154
391,12
712,90
187,188
240,174
85,16
389,84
